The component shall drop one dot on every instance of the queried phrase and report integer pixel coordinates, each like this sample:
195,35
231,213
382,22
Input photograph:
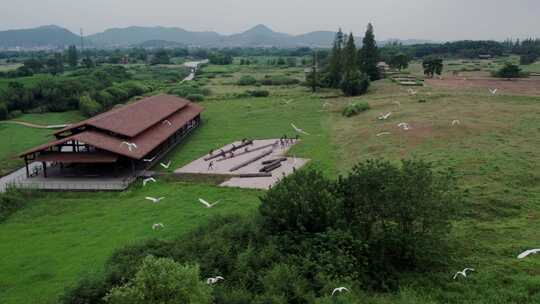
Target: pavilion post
26,165
44,169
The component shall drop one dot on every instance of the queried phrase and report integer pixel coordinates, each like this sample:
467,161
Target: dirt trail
31,125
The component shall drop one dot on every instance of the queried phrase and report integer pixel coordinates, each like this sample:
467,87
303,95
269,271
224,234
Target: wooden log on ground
246,152
267,162
271,167
253,175
225,152
251,160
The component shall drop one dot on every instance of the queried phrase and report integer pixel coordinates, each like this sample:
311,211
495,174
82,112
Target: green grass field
49,244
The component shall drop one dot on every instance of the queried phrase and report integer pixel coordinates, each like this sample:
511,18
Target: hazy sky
422,19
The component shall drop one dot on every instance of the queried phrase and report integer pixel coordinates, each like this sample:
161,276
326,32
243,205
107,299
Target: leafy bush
162,281
258,93
184,90
246,80
88,106
354,84
4,114
355,108
15,114
292,206
509,70
195,97
279,80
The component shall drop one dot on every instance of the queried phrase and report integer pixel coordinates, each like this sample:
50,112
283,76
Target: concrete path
224,166
16,176
194,66
31,125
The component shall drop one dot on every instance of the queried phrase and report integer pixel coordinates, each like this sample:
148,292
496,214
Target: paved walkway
16,176
194,66
31,125
224,166
55,181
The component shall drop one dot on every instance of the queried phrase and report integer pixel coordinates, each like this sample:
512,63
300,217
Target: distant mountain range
53,36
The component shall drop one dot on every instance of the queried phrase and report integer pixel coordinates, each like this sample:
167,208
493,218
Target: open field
49,244
526,86
69,234
17,138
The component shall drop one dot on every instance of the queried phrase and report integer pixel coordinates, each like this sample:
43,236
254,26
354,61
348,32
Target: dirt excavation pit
257,164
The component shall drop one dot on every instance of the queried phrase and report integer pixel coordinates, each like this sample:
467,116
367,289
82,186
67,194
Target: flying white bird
288,101
154,200
405,126
526,253
299,130
412,92
463,272
326,104
147,180
456,122
385,116
493,91
339,289
157,226
167,165
207,204
149,160
383,133
397,103
211,281
130,145
168,122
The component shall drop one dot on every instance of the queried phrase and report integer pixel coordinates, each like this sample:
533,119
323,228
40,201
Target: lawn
17,138
48,245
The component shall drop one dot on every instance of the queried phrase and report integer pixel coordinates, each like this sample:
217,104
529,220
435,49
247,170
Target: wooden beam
252,160
26,165
44,169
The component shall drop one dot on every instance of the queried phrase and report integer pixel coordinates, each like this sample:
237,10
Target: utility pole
82,40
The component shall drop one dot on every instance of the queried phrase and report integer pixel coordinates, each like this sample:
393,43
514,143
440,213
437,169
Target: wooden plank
225,152
251,160
247,152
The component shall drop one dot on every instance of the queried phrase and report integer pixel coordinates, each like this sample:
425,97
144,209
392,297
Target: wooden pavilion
129,137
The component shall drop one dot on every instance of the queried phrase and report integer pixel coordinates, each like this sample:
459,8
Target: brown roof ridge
132,119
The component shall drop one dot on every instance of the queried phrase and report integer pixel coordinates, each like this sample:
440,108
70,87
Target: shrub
184,90
258,93
15,114
509,71
88,106
246,80
4,114
195,97
293,205
279,80
355,108
162,281
354,84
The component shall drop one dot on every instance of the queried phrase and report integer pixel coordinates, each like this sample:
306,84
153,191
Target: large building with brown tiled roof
132,136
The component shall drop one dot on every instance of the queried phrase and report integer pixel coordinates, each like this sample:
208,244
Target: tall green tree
353,83
369,55
162,281
432,66
72,56
335,65
313,79
399,61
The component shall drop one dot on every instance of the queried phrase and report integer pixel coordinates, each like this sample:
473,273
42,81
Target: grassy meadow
46,246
